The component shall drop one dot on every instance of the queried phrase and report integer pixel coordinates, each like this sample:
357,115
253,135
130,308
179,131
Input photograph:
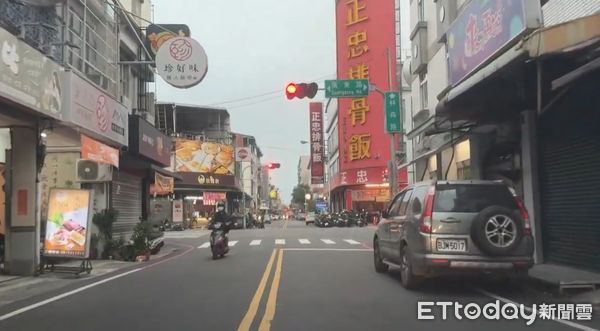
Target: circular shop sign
181,62
242,154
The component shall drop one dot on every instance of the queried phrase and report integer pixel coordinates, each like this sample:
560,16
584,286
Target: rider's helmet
221,206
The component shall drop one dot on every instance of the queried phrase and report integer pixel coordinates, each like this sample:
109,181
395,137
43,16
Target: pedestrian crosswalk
289,242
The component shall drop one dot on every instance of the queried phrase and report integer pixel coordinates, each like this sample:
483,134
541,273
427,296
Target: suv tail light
425,225
524,213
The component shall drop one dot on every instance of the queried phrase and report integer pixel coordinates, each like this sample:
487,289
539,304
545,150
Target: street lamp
307,197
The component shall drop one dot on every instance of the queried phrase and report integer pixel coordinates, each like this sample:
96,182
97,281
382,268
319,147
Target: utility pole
392,165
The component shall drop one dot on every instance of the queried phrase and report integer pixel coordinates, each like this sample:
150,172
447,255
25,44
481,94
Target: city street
285,277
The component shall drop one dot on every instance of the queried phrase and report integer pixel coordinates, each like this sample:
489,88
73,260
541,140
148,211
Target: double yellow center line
265,324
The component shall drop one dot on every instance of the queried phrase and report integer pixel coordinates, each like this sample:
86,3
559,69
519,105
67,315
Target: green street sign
393,120
350,88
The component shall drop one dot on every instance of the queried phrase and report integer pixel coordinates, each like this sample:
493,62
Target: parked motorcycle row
343,219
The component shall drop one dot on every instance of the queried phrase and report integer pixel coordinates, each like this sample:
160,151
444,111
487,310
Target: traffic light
273,166
301,90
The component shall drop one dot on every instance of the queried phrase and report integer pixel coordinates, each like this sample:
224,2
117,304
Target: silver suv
437,228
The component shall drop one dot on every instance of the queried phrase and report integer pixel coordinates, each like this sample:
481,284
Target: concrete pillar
23,240
530,169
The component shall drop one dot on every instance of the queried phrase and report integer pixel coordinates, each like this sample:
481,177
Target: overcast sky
255,48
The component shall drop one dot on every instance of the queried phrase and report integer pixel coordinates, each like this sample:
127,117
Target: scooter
219,242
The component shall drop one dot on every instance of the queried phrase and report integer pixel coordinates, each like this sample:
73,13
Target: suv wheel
380,267
497,230
408,278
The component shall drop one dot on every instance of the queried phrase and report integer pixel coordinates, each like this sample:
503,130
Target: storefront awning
165,172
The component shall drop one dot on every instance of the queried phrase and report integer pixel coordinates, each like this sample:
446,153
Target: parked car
310,218
437,228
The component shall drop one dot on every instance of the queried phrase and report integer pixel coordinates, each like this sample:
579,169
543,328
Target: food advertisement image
204,157
67,223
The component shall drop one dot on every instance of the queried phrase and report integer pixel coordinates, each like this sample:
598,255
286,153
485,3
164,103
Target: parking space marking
205,245
255,242
328,241
304,241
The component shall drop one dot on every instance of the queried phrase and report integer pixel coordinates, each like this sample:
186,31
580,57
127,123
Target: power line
262,94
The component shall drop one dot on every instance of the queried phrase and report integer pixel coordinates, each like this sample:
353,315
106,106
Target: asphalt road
286,277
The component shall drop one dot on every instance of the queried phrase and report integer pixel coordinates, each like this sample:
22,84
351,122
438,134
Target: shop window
463,170
423,94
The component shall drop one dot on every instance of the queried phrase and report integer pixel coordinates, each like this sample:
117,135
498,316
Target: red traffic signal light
273,165
302,90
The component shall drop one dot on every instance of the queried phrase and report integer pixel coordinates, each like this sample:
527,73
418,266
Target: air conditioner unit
93,172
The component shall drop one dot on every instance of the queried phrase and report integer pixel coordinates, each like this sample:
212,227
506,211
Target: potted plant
140,240
104,220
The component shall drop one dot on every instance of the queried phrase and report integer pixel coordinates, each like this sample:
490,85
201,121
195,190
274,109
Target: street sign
350,88
393,120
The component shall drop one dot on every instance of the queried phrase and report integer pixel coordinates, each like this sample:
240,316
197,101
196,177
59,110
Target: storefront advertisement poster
67,225
178,211
204,157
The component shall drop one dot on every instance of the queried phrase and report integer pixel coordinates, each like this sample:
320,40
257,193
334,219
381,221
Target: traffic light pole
244,194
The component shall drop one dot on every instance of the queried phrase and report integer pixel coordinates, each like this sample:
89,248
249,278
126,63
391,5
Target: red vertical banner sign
317,168
365,34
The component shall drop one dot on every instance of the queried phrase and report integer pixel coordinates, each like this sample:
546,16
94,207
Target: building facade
536,135
92,132
358,147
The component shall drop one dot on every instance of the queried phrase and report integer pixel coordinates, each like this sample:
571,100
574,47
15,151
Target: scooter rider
220,216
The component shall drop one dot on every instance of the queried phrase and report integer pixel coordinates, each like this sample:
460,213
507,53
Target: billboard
67,224
317,144
479,32
365,32
204,157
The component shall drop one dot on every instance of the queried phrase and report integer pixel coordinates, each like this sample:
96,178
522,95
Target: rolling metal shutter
570,188
127,199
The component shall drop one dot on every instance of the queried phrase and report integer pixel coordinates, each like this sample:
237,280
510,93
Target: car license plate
451,245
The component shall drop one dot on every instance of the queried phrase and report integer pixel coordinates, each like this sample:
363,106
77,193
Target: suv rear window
471,198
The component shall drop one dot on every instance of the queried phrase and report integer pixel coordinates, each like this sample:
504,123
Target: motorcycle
156,241
219,242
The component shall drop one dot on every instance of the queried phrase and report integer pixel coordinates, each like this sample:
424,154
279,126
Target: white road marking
528,309
279,241
232,243
328,241
330,249
66,294
205,245
304,241
352,242
255,242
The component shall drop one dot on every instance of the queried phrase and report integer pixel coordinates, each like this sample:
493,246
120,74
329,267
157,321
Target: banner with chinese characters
211,198
162,185
361,176
317,167
365,33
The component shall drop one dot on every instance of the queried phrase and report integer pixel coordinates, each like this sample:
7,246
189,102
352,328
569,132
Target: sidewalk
569,279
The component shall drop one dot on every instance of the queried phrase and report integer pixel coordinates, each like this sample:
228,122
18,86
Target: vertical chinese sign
317,168
365,32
